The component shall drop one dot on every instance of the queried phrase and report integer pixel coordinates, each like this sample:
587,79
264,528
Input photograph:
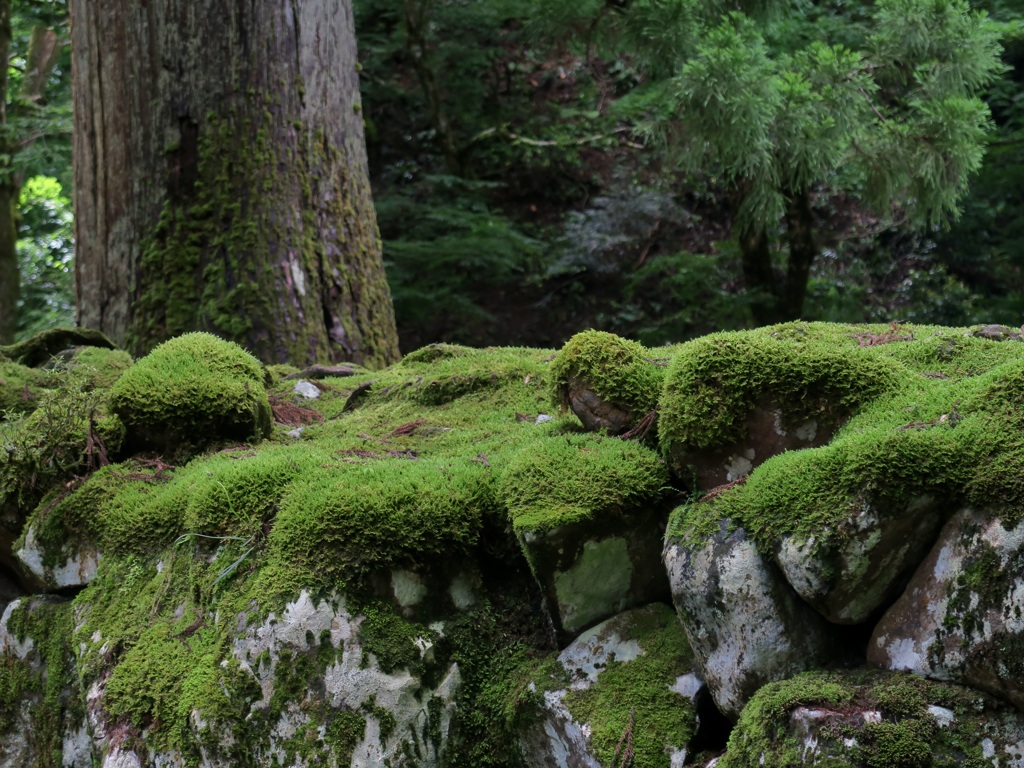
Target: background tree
33,77
220,179
792,106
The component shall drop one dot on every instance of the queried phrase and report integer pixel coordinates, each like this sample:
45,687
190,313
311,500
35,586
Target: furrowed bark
221,181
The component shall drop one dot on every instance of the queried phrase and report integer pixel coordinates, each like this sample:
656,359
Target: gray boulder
849,573
746,625
962,616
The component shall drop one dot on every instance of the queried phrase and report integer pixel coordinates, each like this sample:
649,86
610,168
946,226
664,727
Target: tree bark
10,277
802,251
758,275
221,180
773,300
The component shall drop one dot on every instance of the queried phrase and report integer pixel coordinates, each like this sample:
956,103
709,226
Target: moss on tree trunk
221,182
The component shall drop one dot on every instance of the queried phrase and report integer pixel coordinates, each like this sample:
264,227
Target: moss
714,383
924,436
906,735
278,372
40,348
147,686
192,390
433,352
238,492
391,639
344,523
344,731
502,690
617,370
435,377
634,698
19,387
100,367
576,478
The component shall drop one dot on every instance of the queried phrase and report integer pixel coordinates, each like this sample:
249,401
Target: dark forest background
527,184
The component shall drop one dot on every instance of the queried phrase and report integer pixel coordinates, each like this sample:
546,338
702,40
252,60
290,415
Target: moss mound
576,478
384,513
193,390
813,370
600,372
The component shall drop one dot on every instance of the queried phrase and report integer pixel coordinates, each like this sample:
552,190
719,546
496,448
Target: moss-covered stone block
610,383
193,390
866,719
586,511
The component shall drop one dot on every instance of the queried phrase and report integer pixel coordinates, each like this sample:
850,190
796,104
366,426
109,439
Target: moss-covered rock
587,512
40,348
19,388
624,685
733,400
610,383
193,390
366,590
960,617
872,720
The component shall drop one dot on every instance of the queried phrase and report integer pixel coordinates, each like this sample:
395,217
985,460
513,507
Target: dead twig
625,746
639,432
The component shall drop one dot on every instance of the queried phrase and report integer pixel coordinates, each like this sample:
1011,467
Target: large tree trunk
10,279
221,181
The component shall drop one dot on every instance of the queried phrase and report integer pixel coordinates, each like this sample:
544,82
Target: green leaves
935,47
